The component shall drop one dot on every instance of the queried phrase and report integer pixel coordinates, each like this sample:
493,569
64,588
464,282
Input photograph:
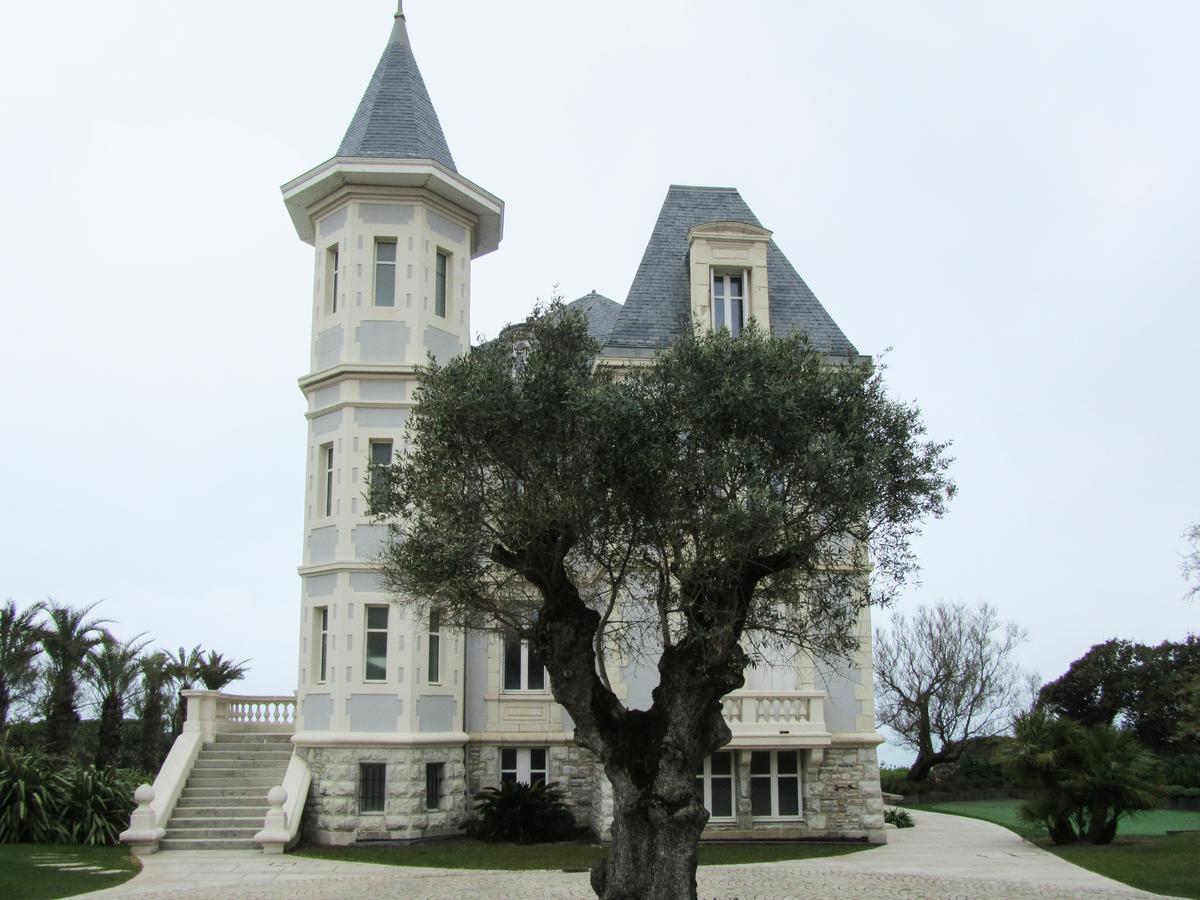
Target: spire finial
399,29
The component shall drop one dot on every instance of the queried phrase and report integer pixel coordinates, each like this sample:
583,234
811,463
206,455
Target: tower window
322,641
714,785
435,646
774,784
381,455
376,644
523,669
435,775
325,484
331,279
439,287
385,272
729,301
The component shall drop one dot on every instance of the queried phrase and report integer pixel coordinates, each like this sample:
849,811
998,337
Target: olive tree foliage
696,510
946,676
1191,563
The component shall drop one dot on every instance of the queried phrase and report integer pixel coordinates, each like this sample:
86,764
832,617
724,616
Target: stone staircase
225,797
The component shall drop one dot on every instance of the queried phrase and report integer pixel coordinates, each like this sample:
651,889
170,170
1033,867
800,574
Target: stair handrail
281,825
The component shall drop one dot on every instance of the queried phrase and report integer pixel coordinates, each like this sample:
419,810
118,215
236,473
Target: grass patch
571,857
27,870
1143,855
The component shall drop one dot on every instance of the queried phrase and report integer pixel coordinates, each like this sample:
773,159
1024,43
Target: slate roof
396,118
601,312
658,308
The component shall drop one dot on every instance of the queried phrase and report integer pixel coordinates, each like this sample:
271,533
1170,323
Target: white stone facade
394,237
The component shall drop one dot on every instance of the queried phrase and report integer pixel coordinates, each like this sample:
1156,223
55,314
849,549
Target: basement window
372,783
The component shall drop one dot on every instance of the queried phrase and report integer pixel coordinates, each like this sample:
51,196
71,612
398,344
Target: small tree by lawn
698,510
113,673
20,644
947,677
68,640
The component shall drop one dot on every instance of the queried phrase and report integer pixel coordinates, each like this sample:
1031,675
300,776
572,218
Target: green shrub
96,804
46,800
30,787
526,813
898,817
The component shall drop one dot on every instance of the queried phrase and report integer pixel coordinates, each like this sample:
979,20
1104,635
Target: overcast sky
1005,194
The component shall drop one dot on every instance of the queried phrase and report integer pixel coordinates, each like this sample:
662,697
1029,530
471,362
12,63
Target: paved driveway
943,857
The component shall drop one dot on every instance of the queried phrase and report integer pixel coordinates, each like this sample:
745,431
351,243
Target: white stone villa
396,723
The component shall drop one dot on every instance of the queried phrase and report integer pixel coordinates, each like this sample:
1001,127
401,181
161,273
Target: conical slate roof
396,118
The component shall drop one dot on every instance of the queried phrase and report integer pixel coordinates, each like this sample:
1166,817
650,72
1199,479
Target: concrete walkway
943,857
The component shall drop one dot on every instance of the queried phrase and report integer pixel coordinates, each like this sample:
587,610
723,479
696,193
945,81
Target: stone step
229,764
234,777
212,751
214,833
206,844
255,794
219,822
254,738
200,807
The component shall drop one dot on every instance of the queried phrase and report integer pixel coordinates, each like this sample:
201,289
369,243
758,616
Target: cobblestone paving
944,858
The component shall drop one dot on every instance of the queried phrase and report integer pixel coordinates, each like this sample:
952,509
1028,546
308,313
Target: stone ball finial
144,795
277,796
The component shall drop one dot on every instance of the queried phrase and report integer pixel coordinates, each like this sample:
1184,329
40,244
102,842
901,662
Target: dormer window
729,300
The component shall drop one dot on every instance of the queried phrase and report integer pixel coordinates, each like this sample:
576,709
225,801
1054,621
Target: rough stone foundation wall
332,816
842,794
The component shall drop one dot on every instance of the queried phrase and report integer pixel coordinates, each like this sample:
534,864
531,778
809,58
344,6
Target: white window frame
321,643
441,284
325,481
725,276
433,660
523,770
706,778
525,654
394,262
367,632
774,777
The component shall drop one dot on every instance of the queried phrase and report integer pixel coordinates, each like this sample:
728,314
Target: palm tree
152,701
114,670
20,644
215,671
1042,755
68,641
184,669
1117,776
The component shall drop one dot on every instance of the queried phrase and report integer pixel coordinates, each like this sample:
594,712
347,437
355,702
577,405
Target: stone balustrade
237,713
756,716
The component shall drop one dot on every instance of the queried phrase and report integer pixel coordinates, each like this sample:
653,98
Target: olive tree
699,509
945,677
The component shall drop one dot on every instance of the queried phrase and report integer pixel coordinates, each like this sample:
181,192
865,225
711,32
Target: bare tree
946,676
1191,562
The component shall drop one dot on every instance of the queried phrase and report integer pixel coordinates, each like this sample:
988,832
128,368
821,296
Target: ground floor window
775,784
372,779
524,764
435,776
714,785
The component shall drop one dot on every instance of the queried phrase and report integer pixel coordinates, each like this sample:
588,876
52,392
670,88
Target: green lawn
29,871
571,857
1143,855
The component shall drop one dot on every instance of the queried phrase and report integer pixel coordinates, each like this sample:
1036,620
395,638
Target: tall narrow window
372,781
381,455
376,644
435,776
523,668
729,301
439,287
325,484
524,764
331,279
775,784
385,272
714,785
321,616
435,646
